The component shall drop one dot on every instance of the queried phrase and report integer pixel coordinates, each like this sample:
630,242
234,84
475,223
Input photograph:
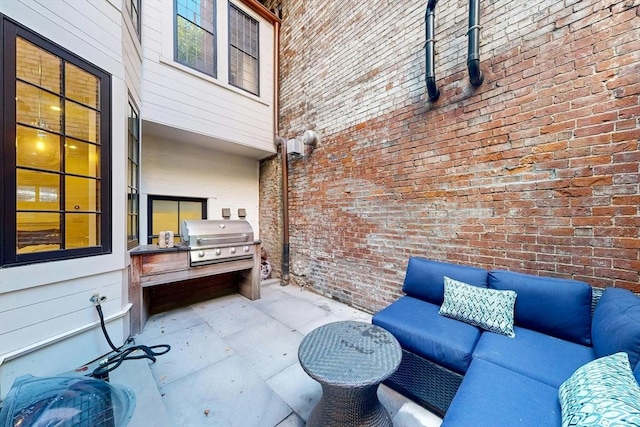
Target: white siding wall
177,96
187,170
47,323
132,58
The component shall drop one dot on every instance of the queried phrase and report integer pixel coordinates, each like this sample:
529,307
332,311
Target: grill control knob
246,248
200,254
218,251
232,250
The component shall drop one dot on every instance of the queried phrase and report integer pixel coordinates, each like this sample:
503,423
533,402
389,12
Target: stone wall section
537,170
270,213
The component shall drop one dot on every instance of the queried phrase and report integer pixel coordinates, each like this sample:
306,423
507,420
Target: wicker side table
349,359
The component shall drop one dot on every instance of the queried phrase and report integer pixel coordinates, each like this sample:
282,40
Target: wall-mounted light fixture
310,138
297,146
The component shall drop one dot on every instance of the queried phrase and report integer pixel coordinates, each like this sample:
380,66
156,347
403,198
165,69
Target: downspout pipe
473,57
282,143
285,213
429,48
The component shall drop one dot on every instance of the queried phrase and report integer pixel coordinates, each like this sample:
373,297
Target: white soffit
187,137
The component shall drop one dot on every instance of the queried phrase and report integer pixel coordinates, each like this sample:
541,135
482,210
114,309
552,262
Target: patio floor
233,362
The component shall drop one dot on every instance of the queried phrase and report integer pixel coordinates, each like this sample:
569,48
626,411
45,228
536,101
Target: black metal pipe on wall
473,57
429,48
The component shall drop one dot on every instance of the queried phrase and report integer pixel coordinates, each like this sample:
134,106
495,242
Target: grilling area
213,258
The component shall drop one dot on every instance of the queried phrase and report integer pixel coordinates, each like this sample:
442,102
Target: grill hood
210,232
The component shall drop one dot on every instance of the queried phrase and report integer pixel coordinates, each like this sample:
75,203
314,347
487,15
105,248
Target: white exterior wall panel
132,58
225,180
177,96
47,323
248,129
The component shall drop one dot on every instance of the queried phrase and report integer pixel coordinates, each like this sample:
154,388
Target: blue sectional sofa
460,367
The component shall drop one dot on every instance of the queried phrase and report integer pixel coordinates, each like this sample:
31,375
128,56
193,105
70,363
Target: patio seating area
234,362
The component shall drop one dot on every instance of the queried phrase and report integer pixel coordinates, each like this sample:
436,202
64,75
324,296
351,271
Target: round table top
349,354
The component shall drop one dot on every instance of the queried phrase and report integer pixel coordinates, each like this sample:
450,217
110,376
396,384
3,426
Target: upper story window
244,51
133,177
195,40
56,153
133,9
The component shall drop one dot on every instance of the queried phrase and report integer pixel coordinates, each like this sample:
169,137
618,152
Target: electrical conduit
429,48
473,57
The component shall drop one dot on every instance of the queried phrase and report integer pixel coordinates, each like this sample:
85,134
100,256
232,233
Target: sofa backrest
556,307
424,278
616,326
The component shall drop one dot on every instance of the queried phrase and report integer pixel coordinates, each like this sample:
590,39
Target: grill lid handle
229,238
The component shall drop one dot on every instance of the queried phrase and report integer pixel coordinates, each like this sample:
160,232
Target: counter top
152,249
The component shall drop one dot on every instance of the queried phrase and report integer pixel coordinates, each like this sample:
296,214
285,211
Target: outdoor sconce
310,138
296,146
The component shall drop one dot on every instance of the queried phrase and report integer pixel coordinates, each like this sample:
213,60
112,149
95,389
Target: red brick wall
536,171
271,212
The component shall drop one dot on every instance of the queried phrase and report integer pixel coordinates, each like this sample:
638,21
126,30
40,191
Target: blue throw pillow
488,309
602,392
616,325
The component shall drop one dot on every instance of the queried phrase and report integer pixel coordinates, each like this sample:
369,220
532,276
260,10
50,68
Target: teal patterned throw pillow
602,392
489,309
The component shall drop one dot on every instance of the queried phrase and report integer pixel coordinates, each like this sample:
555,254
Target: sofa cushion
424,279
489,309
542,357
557,307
601,393
419,329
491,395
616,325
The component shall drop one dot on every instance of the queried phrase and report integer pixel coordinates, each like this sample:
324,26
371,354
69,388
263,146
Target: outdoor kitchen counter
154,249
152,265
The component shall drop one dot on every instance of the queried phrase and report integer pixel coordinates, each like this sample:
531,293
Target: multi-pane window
133,177
133,9
195,44
167,213
56,160
243,51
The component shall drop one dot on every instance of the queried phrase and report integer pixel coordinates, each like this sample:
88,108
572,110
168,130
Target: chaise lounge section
498,352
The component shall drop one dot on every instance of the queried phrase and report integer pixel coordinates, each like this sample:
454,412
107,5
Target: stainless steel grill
214,241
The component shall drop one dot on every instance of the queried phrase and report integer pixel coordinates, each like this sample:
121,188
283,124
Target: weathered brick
534,171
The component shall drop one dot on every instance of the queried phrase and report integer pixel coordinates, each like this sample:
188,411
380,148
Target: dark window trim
9,256
231,5
132,104
215,40
137,6
152,198
3,171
